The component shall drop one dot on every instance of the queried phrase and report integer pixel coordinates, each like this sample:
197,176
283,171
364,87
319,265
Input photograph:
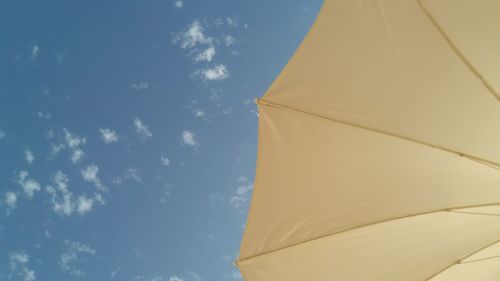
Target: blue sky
128,133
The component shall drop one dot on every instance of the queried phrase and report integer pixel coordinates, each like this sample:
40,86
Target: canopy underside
379,148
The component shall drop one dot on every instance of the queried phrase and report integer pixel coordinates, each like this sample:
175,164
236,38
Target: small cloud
10,200
175,278
18,267
28,155
167,190
179,4
60,57
229,40
77,155
141,86
34,52
142,129
73,251
193,36
84,205
43,115
242,194
188,138
73,140
206,55
30,186
165,161
215,73
2,134
90,174
114,272
108,136
139,255
236,275
62,202
131,174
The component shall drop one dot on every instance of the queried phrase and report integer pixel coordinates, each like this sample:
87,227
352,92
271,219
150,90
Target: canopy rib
487,163
459,261
452,210
458,53
475,213
479,260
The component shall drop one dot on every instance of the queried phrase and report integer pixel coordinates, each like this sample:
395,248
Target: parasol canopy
379,148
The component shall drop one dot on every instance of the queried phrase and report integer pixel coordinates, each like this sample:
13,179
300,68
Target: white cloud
73,140
165,161
175,278
28,155
77,155
193,36
43,115
188,138
179,3
64,206
236,275
30,186
90,174
10,200
108,136
142,129
141,86
131,174
71,254
114,272
194,276
34,52
216,73
242,194
206,55
84,205
18,266
2,134
167,189
229,40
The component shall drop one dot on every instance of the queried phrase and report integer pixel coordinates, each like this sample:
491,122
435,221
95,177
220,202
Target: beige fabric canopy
379,148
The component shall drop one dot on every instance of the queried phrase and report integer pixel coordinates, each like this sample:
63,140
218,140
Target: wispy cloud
2,134
73,250
72,140
188,138
35,50
28,155
131,173
115,272
206,55
142,129
141,86
10,201
179,3
90,174
18,263
165,161
43,115
215,73
193,36
62,203
77,155
108,135
84,205
242,194
29,185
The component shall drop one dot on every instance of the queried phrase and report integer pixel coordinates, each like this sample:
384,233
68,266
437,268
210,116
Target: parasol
379,148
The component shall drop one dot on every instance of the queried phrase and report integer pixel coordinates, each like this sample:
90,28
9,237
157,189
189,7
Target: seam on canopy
458,53
484,162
